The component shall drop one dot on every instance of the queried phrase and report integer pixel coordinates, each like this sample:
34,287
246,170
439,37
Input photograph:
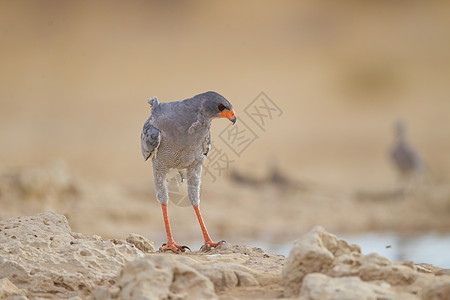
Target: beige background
75,77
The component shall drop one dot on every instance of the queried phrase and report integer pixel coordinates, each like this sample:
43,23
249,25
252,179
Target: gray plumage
405,158
150,139
177,136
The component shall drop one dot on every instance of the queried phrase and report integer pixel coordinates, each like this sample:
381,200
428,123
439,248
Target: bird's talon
186,247
209,245
205,247
173,247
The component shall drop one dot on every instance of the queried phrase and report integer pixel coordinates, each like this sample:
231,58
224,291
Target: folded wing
150,139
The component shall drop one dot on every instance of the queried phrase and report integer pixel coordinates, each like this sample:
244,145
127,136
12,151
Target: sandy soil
283,211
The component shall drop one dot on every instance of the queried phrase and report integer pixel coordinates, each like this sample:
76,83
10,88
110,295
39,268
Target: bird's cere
230,114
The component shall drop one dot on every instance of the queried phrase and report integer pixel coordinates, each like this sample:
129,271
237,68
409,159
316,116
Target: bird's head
399,128
216,106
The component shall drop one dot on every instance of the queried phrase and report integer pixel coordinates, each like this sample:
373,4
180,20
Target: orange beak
229,114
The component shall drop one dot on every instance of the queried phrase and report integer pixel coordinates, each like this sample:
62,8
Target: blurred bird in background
177,136
405,158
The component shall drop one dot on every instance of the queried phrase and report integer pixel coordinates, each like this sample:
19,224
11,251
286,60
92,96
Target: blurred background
75,77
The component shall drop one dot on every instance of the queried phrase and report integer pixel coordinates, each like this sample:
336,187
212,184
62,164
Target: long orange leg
208,242
170,245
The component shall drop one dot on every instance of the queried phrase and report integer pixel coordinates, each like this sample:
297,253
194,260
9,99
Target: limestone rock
40,253
225,268
315,252
140,242
343,268
443,272
8,289
231,266
393,274
41,258
162,277
226,276
321,287
439,291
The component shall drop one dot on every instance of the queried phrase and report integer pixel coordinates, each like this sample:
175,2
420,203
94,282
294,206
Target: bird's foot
209,245
174,247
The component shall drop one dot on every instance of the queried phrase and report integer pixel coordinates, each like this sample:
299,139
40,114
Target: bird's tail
153,101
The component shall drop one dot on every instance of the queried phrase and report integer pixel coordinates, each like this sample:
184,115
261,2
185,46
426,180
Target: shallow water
429,248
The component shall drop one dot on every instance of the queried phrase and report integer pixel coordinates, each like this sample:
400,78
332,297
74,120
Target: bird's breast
174,156
181,147
180,150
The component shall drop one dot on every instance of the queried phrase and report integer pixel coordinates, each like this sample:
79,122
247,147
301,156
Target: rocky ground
273,208
41,258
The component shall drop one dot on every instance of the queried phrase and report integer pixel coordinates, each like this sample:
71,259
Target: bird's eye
221,107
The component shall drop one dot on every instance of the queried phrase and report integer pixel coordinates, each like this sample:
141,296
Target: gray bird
177,136
404,157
